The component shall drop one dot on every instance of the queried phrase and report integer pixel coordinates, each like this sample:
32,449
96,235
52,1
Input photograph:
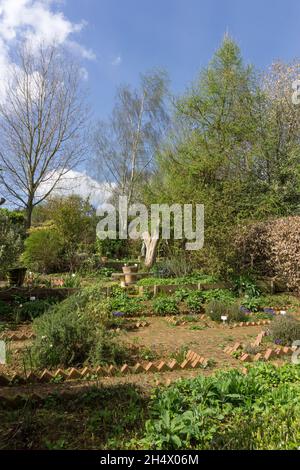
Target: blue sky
178,35
116,40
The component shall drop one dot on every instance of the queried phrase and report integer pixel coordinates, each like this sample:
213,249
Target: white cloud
75,182
117,61
33,22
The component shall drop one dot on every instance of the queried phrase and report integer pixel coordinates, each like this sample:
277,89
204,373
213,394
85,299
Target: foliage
235,150
229,410
223,295
11,234
194,301
93,419
190,279
28,311
112,248
74,220
73,332
164,305
63,337
252,303
119,301
245,285
43,250
285,330
72,281
5,309
216,308
272,248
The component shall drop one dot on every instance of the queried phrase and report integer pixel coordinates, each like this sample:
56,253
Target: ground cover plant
190,279
229,410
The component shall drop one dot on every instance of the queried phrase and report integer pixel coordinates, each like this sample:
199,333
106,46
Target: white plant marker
224,319
32,299
282,312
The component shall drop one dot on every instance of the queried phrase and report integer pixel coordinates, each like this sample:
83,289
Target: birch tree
42,121
126,144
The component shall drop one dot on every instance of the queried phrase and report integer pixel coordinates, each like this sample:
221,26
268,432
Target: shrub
164,305
10,241
215,309
63,337
30,310
285,330
235,314
43,250
272,249
5,309
72,332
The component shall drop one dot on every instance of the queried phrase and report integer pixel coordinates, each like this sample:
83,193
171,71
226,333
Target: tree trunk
29,209
151,244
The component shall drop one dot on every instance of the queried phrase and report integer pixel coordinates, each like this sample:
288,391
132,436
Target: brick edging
192,361
270,353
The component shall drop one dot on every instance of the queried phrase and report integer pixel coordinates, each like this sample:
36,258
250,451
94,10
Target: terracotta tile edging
192,361
269,354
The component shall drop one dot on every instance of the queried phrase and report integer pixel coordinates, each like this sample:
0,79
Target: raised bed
9,294
171,288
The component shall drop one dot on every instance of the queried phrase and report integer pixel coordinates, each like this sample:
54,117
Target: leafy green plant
223,295
253,304
164,305
119,301
74,331
194,301
28,311
246,285
72,281
228,410
190,279
64,337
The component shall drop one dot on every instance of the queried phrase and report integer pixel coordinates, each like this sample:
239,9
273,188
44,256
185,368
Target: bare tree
42,120
125,145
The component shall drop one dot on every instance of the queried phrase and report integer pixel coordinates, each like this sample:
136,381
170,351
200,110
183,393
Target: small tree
43,250
75,223
41,125
126,145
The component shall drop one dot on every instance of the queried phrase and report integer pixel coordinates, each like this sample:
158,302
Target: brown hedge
272,249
